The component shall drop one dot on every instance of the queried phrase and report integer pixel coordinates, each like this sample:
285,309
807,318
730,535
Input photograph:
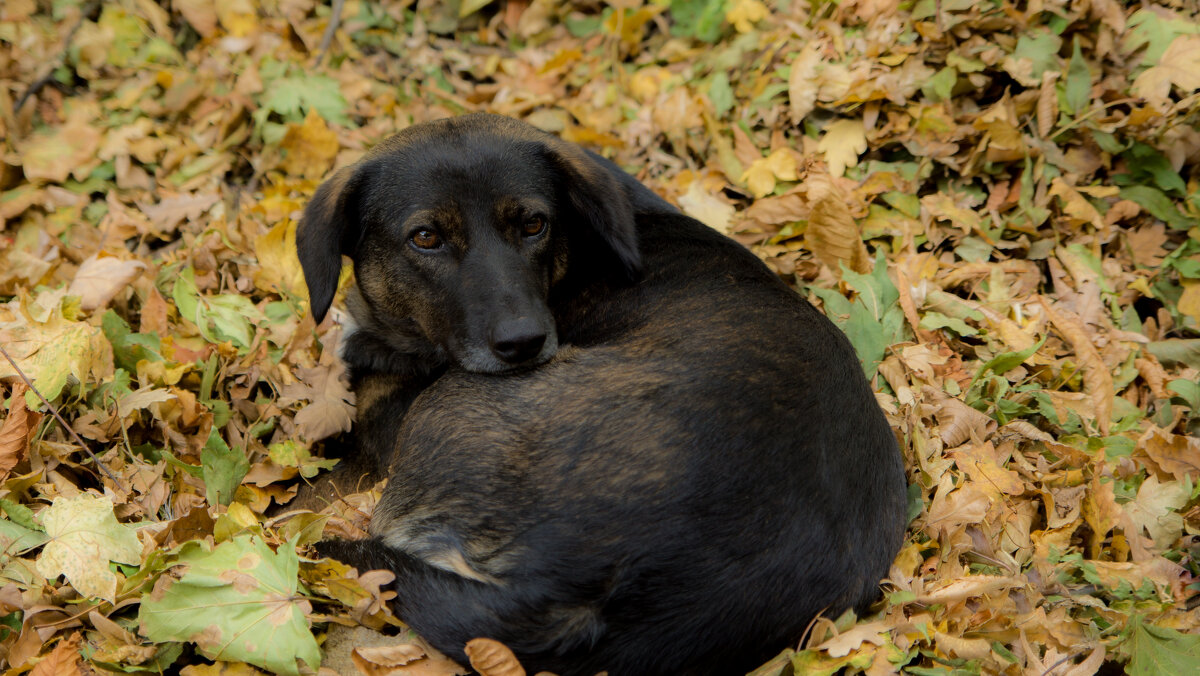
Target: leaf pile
998,202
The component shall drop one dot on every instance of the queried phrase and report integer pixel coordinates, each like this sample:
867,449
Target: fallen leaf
331,405
833,236
706,208
1177,454
84,537
493,658
842,143
311,147
62,661
99,279
15,431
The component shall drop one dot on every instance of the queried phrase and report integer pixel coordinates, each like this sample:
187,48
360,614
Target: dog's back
703,468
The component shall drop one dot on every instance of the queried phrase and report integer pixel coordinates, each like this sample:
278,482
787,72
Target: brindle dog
614,439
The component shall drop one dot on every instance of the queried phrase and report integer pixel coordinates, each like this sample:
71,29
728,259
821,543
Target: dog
614,440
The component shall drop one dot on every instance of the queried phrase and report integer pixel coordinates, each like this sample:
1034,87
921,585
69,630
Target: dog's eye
534,226
426,239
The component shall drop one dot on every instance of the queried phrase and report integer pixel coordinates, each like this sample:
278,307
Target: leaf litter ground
998,202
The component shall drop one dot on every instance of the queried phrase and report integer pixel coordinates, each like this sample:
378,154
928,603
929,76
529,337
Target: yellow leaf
84,536
1077,209
706,208
1189,302
842,143
745,13
763,173
279,268
239,17
310,147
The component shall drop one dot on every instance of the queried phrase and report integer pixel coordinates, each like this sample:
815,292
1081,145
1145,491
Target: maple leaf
84,536
331,405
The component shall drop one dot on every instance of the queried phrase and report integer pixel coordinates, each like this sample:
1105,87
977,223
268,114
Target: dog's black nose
517,340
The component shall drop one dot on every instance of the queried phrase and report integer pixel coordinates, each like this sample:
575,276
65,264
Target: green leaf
721,93
936,320
292,97
223,469
940,86
1188,390
875,290
1007,361
1146,164
15,538
1159,651
1159,205
19,514
1041,48
237,603
700,19
1079,82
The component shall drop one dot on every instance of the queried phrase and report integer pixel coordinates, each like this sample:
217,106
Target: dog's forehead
449,169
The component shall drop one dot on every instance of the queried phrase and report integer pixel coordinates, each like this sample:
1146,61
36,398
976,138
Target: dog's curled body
696,471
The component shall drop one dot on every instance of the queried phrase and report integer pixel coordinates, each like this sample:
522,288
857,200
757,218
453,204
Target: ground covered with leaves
997,201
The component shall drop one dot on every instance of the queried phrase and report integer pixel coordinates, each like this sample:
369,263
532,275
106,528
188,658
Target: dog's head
464,226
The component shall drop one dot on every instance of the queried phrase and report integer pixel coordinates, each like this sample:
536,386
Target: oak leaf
842,143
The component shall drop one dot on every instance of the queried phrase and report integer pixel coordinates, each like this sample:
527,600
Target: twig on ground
335,18
59,418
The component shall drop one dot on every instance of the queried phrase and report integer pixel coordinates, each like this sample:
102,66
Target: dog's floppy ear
599,203
330,227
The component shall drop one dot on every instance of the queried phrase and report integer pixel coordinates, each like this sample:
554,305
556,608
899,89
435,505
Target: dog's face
464,227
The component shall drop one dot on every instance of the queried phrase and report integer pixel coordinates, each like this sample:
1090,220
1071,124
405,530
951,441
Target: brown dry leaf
851,639
101,277
1078,210
1047,104
955,507
842,143
67,151
492,658
959,423
1156,509
15,431
201,14
803,83
220,668
62,661
964,648
1179,66
1097,379
833,236
331,405
968,587
311,147
1146,243
1176,454
171,211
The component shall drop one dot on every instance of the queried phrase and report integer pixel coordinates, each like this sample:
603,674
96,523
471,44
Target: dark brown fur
688,470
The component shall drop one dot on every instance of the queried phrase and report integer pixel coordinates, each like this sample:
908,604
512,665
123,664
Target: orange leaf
493,658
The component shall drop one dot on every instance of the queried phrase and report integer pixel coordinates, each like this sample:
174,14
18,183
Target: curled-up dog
614,440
